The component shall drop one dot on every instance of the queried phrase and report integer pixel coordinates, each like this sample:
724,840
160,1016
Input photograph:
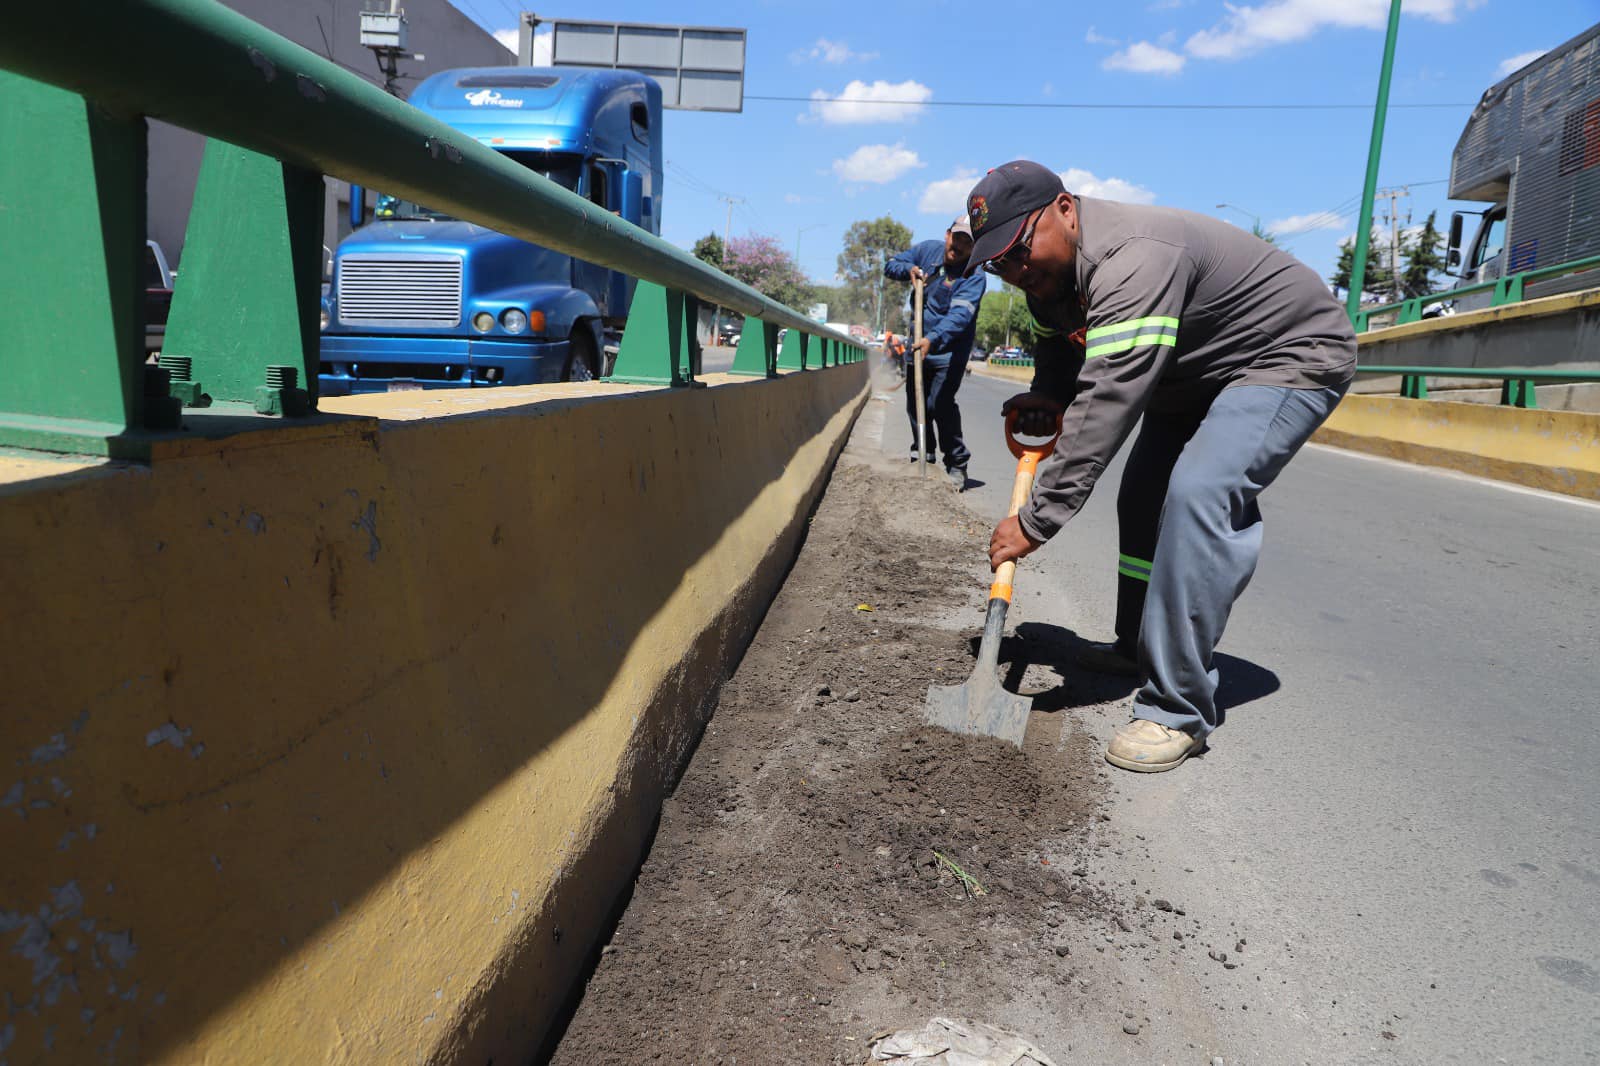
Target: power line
1059,106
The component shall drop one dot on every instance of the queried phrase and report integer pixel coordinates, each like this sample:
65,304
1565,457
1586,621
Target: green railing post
244,321
1508,290
72,223
758,344
658,346
1413,387
793,355
1518,392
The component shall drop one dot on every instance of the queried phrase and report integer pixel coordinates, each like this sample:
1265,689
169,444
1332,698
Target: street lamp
1255,219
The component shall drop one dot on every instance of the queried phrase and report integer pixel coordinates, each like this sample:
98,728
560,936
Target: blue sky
806,170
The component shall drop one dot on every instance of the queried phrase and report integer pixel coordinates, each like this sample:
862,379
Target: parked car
157,296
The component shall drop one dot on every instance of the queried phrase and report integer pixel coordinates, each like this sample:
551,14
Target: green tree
1378,277
1257,230
767,266
708,249
1002,307
1423,260
867,244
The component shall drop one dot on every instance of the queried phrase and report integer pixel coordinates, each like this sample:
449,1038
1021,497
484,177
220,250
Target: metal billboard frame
700,68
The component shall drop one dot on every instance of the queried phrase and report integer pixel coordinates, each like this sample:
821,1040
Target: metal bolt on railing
279,396
184,387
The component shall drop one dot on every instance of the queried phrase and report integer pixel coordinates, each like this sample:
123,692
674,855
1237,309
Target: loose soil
794,902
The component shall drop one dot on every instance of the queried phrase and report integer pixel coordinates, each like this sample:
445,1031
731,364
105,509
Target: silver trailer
1532,150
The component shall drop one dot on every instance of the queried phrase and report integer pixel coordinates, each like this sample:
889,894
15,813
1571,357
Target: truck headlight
483,322
514,320
325,316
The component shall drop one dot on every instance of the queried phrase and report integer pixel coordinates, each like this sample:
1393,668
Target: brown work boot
1149,747
1106,657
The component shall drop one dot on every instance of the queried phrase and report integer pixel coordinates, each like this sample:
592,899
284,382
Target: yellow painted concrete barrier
336,744
1023,374
1558,451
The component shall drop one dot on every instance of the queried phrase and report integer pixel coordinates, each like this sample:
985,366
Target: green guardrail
72,221
1024,361
1506,290
1516,383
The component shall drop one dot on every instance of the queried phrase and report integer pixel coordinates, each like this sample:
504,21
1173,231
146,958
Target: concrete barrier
1558,451
1551,333
1023,374
337,743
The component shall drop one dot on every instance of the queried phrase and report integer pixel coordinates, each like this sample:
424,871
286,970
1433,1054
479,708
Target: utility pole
385,33
1358,261
727,226
1394,196
1011,294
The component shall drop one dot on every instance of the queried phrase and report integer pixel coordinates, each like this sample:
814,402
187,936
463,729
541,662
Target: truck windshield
561,168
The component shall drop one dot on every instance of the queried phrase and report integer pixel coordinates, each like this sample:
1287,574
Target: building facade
331,28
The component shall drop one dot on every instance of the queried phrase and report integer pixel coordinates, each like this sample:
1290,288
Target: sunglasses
1018,253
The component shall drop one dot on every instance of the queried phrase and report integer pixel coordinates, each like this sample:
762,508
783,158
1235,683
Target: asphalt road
1402,813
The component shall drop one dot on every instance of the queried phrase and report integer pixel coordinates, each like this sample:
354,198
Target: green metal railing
1516,383
1506,290
1023,361
245,314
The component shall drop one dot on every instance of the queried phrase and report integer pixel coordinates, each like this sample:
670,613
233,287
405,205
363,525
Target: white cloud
1250,29
1516,63
1286,227
1094,38
1084,183
837,52
877,163
798,198
949,196
1142,57
861,103
542,44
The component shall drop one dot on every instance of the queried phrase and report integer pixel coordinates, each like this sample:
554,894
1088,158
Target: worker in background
950,299
1232,350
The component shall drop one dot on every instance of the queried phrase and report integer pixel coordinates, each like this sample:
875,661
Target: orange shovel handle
1028,456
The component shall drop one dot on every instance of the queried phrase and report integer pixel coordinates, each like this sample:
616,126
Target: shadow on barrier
371,694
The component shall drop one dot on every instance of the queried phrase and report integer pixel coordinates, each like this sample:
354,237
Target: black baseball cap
999,206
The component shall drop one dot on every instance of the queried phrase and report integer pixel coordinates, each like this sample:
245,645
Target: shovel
981,707
916,359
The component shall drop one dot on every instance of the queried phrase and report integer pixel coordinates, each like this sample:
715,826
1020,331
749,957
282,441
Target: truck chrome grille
399,290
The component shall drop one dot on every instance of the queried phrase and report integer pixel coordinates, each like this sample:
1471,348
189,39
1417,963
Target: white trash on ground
952,1042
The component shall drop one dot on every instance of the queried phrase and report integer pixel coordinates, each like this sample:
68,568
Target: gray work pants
1209,535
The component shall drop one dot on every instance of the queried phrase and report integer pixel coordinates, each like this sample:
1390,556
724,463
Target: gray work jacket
1169,308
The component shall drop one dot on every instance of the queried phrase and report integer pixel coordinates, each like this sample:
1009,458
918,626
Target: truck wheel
582,360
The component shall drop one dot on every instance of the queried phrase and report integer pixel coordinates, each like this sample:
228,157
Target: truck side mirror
633,197
1452,254
358,206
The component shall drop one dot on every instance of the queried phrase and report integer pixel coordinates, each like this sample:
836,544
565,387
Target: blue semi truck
423,300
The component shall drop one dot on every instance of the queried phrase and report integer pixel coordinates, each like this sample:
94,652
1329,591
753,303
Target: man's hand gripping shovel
982,706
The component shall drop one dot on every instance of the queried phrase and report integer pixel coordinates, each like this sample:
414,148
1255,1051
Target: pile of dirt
829,866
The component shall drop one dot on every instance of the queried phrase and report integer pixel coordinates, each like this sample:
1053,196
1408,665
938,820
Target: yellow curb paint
1558,451
335,746
1011,373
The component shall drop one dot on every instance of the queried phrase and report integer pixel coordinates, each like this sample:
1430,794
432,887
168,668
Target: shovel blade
981,707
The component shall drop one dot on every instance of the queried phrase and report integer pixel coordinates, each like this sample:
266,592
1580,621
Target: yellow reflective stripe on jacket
1041,330
1112,347
1154,322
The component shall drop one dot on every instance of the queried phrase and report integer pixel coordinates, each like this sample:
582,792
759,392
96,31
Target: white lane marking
1507,486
